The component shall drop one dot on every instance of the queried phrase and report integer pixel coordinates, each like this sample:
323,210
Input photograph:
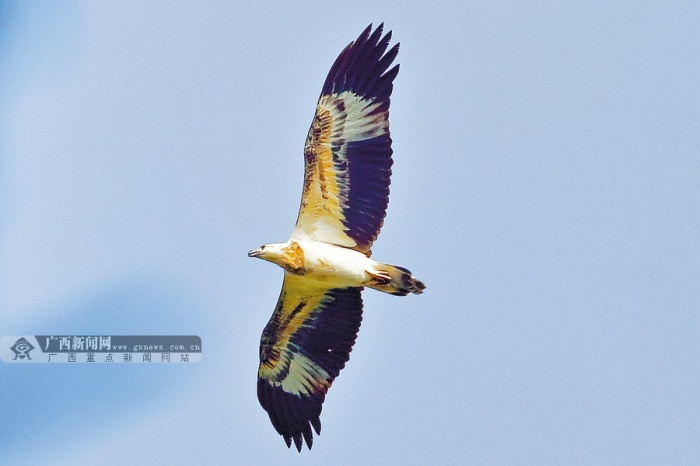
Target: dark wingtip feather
297,441
316,422
391,74
308,437
376,35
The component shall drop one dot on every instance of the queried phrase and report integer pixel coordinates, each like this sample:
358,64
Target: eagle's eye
262,247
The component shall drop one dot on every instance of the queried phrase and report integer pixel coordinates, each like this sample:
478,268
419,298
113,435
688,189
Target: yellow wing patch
320,214
295,304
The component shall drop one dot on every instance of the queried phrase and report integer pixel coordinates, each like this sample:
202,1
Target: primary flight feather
327,261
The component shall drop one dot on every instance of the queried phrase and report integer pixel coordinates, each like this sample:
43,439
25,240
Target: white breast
334,265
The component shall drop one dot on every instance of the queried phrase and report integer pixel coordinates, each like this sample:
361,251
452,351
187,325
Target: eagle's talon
380,277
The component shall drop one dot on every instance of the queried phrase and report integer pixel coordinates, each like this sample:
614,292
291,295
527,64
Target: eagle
326,261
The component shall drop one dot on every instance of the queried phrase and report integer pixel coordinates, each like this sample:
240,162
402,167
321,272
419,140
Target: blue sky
545,189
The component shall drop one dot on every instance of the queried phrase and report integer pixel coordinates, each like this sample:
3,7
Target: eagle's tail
394,280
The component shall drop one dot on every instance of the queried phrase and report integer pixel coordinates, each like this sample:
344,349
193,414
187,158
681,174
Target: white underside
335,266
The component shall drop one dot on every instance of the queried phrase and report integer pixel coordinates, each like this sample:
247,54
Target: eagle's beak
254,252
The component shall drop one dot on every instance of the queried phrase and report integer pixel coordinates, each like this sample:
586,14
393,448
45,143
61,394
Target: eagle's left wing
348,148
302,350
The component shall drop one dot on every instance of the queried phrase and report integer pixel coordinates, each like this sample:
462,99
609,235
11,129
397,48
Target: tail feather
395,280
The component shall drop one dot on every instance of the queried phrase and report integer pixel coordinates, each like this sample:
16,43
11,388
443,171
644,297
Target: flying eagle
327,261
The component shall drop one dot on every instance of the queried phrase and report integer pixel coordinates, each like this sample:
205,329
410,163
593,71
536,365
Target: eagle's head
268,251
287,255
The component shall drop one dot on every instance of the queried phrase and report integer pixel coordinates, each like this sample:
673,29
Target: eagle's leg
379,277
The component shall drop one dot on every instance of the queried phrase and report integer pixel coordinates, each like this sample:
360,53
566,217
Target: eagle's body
323,263
332,266
327,260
